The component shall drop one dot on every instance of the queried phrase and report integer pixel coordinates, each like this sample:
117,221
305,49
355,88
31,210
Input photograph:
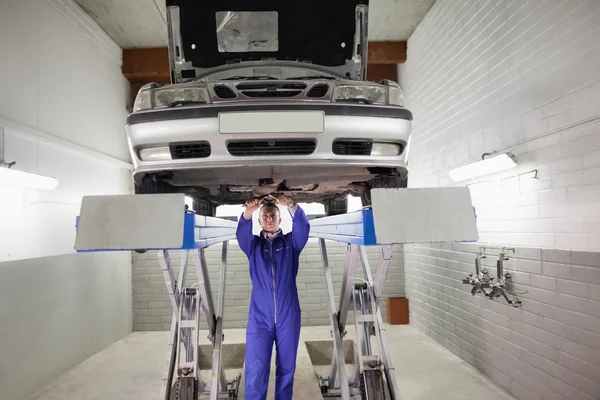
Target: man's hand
285,201
251,206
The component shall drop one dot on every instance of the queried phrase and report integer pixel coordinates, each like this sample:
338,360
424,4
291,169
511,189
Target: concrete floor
132,369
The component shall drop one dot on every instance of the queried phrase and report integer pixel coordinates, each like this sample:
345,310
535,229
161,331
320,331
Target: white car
268,100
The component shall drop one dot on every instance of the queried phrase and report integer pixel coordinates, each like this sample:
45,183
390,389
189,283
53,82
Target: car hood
205,35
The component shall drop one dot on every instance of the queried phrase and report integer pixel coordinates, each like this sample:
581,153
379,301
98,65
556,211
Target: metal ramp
160,222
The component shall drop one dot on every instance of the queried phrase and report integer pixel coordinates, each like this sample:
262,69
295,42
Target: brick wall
484,76
548,349
524,76
152,310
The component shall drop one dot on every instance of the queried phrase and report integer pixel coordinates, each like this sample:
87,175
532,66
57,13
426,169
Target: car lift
119,223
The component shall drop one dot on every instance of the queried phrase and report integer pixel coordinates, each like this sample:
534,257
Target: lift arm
160,222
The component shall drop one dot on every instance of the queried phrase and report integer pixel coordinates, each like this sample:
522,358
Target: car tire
336,206
365,198
151,186
382,182
204,207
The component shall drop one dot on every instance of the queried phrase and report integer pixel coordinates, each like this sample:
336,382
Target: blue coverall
274,314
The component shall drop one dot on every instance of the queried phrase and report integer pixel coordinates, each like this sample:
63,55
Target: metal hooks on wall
492,287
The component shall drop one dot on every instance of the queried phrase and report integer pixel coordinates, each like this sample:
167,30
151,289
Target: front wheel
204,207
336,206
382,182
150,185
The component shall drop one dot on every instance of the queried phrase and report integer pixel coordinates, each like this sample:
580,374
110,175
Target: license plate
272,122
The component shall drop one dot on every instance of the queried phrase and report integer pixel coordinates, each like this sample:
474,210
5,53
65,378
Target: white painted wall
62,107
61,74
486,76
41,223
57,311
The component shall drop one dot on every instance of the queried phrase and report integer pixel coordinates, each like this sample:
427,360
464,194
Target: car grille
271,148
352,147
264,89
189,150
224,92
319,90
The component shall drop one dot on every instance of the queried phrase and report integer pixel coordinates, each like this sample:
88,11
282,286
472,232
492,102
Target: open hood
207,35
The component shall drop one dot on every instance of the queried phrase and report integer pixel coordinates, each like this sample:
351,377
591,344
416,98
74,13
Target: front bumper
191,124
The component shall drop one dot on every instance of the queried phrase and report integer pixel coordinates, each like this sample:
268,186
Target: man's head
269,217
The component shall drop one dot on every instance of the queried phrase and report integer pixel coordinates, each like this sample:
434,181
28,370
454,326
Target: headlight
395,96
360,93
171,96
369,94
143,101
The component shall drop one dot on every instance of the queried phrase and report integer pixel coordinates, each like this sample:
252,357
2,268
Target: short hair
268,204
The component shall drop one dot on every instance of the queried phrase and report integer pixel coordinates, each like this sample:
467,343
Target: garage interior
480,77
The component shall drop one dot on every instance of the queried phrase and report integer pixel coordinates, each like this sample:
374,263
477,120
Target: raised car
270,99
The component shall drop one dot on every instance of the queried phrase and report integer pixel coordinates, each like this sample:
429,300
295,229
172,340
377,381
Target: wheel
204,207
382,182
336,206
152,186
365,198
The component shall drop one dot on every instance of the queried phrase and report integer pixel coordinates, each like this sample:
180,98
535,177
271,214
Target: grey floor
132,369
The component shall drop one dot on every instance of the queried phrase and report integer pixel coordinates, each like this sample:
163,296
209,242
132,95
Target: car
269,97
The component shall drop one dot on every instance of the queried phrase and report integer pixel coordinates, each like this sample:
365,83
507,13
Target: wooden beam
378,72
152,65
387,52
146,65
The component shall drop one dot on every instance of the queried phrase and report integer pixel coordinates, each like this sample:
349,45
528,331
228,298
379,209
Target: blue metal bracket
353,228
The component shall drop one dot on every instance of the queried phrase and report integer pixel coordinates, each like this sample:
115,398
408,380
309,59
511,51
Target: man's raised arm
245,237
300,224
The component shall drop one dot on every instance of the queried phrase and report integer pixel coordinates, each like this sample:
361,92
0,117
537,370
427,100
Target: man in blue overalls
274,315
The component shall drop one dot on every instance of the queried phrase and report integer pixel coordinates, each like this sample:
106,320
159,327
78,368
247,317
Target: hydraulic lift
160,222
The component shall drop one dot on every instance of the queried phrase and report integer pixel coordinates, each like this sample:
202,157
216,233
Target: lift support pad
423,215
159,222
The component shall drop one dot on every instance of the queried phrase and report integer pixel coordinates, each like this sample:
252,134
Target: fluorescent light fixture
13,177
486,166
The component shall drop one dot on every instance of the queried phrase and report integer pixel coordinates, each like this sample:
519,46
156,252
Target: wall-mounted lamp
486,166
11,177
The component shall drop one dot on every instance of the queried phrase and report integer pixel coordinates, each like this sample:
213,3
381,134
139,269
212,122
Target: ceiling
142,23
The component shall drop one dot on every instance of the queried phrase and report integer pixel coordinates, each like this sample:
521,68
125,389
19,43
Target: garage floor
132,369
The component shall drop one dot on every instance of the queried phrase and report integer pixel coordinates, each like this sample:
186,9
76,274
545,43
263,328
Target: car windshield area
267,72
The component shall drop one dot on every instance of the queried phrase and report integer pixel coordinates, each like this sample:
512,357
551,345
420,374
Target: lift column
160,222
397,216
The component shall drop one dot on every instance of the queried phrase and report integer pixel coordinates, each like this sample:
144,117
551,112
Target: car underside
329,185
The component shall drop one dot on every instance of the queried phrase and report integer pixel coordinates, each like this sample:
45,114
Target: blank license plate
272,122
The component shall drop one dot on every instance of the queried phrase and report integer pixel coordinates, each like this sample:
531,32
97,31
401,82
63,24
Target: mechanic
274,315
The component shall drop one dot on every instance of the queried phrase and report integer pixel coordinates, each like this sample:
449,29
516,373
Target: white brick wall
152,310
523,76
548,349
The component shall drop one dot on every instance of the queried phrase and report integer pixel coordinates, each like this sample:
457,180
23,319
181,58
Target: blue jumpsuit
274,314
